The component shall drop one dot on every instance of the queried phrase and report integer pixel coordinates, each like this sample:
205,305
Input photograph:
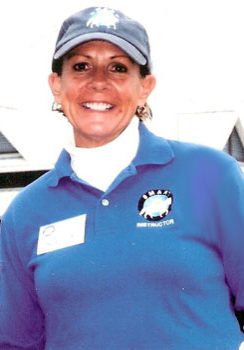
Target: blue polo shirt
155,262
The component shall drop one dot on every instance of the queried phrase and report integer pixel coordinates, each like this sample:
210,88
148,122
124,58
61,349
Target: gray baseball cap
103,23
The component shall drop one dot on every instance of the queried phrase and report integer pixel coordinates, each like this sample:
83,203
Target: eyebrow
72,54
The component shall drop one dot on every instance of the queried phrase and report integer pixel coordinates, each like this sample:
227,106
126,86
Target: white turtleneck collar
99,166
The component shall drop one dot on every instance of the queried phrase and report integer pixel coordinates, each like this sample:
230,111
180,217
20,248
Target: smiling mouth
97,106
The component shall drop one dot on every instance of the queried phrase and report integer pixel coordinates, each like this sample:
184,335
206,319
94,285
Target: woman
131,241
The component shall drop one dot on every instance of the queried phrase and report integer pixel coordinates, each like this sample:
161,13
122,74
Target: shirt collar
152,150
61,169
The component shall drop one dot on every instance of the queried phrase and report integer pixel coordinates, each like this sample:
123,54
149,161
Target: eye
119,68
81,66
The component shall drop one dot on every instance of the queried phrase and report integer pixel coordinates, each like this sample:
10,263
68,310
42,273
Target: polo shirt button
105,202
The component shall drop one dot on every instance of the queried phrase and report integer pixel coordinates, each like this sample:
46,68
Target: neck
100,165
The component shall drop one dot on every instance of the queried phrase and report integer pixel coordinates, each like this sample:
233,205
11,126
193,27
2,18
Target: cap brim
128,48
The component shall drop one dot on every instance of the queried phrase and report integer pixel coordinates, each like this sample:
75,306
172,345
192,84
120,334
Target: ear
148,84
54,81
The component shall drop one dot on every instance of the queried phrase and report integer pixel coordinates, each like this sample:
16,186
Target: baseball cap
103,23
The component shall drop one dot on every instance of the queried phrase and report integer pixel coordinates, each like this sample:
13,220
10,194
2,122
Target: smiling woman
99,89
131,241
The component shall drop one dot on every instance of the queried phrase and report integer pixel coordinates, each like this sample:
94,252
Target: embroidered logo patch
103,17
154,205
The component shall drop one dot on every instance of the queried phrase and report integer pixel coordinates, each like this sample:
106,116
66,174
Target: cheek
130,89
68,89
68,96
133,95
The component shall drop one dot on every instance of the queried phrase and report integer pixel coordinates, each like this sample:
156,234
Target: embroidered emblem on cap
154,205
103,17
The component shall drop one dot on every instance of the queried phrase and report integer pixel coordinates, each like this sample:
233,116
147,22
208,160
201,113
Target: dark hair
145,70
58,64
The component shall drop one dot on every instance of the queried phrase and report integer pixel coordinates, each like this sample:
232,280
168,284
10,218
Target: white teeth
98,106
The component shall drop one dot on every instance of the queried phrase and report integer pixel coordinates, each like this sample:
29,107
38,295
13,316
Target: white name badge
61,234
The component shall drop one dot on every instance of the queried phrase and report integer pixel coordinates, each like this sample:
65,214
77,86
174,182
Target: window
7,150
5,145
234,145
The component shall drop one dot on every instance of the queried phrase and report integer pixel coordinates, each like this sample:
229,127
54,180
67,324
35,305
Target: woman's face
99,90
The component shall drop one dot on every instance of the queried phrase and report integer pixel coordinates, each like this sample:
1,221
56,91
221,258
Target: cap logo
154,205
103,16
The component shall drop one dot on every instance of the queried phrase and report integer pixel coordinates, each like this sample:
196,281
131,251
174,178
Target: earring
57,107
144,112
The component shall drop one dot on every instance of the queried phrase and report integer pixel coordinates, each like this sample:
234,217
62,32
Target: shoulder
29,197
197,154
39,185
37,192
186,156
183,150
203,164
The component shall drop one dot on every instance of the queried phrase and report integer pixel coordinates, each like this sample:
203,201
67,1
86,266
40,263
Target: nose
99,81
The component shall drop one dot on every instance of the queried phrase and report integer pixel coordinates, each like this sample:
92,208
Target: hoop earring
144,112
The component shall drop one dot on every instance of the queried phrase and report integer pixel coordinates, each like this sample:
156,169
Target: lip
98,106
